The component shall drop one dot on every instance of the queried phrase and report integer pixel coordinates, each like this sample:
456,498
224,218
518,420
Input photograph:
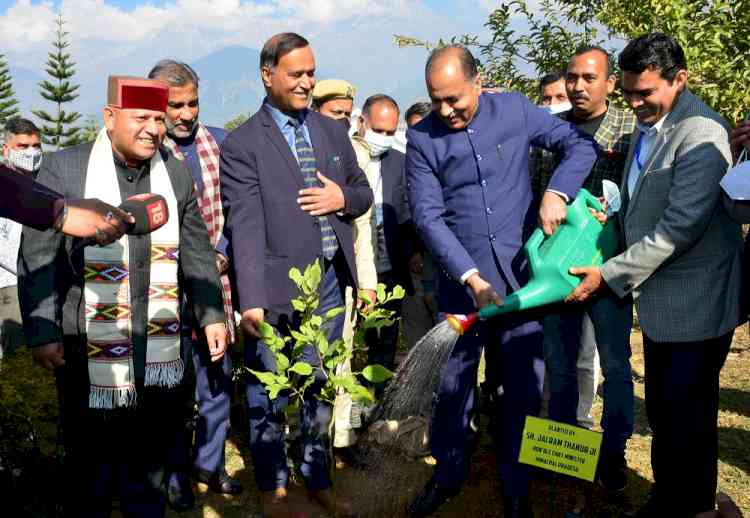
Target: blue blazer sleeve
427,207
576,150
244,221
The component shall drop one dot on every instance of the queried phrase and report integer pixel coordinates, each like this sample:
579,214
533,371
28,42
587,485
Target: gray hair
18,126
174,73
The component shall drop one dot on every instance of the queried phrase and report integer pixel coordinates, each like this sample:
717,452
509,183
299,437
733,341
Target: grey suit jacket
51,275
682,261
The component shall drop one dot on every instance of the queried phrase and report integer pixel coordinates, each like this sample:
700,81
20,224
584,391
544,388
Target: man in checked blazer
681,263
291,189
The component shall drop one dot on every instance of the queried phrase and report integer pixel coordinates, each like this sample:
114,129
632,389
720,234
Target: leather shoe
180,493
275,504
337,506
430,499
517,507
612,474
220,482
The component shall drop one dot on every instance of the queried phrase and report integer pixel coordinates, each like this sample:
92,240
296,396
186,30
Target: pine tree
7,99
57,129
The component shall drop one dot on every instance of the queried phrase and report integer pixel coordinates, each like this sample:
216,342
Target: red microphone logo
157,214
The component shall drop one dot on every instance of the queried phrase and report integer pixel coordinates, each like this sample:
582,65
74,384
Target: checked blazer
613,137
50,267
682,261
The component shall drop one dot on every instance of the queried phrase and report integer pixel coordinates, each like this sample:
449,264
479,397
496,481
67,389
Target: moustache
580,96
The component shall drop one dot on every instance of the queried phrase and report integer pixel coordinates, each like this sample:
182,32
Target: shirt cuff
468,274
561,194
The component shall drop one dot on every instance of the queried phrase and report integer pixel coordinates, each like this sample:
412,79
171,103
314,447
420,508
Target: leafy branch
293,375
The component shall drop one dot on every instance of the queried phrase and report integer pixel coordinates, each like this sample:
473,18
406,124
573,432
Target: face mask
558,108
345,122
29,160
377,142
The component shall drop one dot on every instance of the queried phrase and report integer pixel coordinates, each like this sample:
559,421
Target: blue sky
351,37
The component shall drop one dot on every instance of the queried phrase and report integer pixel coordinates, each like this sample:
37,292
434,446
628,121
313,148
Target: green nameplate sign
559,447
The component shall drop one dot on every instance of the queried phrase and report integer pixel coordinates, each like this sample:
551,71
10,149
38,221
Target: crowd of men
120,322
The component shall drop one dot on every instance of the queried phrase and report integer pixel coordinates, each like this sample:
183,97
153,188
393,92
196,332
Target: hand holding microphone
94,220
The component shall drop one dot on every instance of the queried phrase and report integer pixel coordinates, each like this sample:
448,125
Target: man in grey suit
682,263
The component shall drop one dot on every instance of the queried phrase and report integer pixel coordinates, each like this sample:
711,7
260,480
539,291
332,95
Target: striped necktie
308,166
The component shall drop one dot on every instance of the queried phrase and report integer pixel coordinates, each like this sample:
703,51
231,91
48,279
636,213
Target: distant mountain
230,84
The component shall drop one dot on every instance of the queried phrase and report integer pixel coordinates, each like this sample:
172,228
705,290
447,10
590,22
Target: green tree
7,98
715,35
90,129
236,122
57,128
513,60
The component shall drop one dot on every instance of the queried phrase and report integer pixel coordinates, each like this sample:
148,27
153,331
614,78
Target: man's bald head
455,57
454,85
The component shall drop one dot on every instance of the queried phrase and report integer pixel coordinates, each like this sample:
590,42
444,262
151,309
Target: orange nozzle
461,323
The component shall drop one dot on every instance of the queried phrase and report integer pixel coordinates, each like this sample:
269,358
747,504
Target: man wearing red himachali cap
106,319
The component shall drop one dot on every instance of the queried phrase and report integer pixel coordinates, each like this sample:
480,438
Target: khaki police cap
328,89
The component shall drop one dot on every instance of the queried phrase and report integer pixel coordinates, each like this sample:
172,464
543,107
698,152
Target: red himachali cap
135,93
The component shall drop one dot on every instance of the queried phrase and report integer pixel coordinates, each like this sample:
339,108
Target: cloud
351,38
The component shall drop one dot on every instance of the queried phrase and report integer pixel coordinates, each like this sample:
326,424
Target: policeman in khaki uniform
334,98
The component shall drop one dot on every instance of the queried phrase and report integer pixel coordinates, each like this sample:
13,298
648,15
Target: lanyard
638,151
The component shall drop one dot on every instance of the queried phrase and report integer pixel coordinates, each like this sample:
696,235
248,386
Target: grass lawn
384,491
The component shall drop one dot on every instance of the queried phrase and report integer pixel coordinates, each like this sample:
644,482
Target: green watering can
579,241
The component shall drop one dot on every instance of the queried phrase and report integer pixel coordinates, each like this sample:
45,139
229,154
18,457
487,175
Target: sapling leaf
376,373
301,368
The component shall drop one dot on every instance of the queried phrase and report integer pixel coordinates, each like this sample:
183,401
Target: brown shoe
275,504
338,507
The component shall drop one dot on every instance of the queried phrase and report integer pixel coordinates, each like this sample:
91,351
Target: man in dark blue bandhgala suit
471,201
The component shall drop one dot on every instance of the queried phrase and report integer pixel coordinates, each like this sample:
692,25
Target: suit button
492,237
484,183
489,210
470,131
479,157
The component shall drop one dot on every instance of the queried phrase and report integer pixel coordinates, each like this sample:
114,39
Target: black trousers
682,403
115,454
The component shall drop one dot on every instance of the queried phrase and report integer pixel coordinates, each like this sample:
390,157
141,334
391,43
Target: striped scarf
109,328
209,202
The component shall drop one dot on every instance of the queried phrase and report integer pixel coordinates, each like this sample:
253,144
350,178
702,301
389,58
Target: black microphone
149,211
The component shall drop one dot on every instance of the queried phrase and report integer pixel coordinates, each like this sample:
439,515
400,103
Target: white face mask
29,160
557,108
377,142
